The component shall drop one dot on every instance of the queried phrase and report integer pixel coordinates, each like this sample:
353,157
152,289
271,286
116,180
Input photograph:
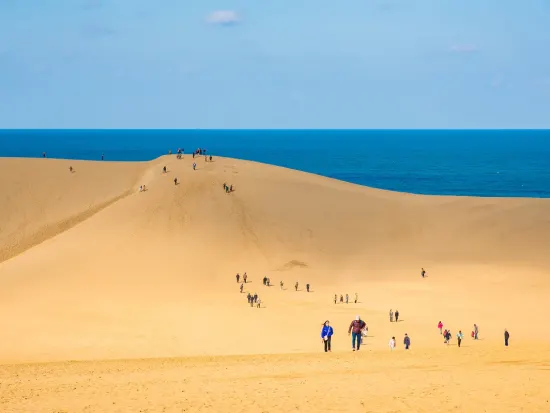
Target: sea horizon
459,162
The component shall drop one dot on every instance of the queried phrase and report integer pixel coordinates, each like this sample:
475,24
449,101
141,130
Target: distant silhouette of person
476,332
341,299
423,273
259,303
175,181
70,169
335,298
281,284
210,158
238,277
396,316
347,299
440,326
43,154
506,337
102,156
391,316
296,286
356,298
164,170
307,288
245,277
194,166
242,286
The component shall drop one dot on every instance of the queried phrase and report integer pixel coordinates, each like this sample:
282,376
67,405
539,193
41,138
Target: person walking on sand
448,337
423,273
347,298
248,297
391,344
259,303
335,298
440,326
355,330
194,166
242,287
268,282
238,277
102,156
255,297
396,316
391,316
407,341
175,181
341,299
264,280
296,286
164,170
245,277
281,284
506,337
210,158
459,337
307,288
326,335
476,331
356,298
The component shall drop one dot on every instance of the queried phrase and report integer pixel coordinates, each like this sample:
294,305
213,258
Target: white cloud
223,17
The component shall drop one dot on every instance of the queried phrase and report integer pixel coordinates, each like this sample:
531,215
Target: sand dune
95,270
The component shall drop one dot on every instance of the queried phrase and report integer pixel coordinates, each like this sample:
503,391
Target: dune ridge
151,275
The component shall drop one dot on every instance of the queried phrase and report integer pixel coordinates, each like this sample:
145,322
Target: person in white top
392,343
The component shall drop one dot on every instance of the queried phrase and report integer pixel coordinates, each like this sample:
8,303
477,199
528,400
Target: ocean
490,163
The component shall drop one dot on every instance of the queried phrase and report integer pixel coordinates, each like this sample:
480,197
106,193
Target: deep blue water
481,163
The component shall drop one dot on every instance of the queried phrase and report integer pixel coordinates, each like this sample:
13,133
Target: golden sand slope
153,275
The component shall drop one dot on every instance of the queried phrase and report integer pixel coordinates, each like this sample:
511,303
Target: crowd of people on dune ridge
358,329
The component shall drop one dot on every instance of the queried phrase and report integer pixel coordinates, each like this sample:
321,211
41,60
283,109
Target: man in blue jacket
326,335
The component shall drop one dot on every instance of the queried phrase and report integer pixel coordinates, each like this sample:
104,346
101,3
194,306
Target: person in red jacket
355,329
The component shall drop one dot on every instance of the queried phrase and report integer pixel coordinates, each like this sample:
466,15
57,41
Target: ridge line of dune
52,230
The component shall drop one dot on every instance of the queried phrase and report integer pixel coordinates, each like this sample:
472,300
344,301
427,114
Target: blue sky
274,64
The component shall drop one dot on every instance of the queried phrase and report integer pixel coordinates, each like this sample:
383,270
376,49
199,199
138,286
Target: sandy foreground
116,300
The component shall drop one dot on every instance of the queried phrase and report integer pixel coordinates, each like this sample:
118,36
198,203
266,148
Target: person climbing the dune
459,337
238,277
396,316
245,277
355,329
175,181
307,288
423,273
265,280
326,335
407,341
506,337
391,344
242,287
296,286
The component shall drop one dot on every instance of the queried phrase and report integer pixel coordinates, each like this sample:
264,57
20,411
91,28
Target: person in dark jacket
407,341
307,288
326,335
506,337
396,316
355,329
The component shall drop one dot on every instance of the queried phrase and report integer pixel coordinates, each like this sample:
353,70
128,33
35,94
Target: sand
113,299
